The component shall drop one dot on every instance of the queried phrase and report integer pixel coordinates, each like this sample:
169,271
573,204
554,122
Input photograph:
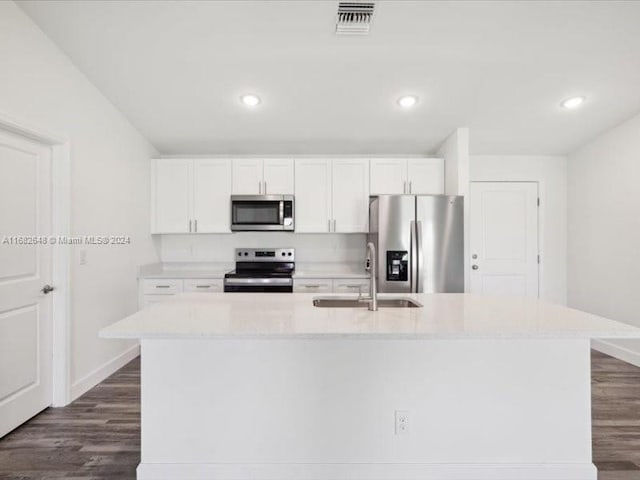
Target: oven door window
256,213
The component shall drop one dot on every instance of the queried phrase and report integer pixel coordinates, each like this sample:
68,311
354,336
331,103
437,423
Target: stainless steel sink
341,302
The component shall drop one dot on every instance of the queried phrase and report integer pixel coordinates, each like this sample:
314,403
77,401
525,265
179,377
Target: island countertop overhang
287,316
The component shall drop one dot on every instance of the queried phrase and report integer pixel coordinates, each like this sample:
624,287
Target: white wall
551,174
455,151
220,248
604,229
40,87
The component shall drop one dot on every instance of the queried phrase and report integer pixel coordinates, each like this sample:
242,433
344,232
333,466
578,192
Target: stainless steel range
262,270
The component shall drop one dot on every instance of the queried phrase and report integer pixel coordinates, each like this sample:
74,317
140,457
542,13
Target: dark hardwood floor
97,437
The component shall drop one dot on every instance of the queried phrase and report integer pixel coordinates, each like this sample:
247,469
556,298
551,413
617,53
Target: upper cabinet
332,195
350,194
313,195
407,175
190,195
262,176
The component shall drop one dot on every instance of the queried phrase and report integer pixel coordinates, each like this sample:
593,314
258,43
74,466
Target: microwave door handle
281,212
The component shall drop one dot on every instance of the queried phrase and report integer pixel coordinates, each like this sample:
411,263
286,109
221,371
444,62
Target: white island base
269,387
313,409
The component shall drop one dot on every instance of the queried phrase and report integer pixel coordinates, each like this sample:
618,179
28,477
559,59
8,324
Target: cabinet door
389,176
247,176
170,195
313,195
426,176
350,195
278,176
312,285
351,285
211,195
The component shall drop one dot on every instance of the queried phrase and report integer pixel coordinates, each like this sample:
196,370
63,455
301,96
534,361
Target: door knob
47,288
474,267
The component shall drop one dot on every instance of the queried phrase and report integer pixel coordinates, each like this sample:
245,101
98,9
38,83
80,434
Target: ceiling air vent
354,18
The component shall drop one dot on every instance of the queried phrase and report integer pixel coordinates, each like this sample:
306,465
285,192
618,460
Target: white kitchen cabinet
162,286
260,176
211,195
170,195
351,285
312,285
425,176
407,175
313,195
247,176
204,285
278,176
190,195
388,176
350,195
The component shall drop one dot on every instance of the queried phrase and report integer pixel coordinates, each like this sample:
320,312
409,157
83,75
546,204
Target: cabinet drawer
167,286
312,285
351,285
203,285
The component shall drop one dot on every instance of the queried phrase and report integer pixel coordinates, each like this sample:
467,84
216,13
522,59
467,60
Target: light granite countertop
443,316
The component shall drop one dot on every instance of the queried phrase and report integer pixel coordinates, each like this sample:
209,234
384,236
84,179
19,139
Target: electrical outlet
402,422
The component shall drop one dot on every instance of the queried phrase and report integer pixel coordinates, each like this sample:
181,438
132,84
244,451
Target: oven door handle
258,281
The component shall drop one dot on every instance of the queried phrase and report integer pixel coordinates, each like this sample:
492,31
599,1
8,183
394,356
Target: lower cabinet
329,285
154,290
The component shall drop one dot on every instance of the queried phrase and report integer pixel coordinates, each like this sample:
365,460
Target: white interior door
278,176
504,238
25,267
212,195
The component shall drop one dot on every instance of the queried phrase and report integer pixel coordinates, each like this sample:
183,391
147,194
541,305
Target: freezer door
392,217
440,243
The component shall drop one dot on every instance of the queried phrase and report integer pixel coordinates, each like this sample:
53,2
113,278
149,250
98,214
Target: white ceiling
177,69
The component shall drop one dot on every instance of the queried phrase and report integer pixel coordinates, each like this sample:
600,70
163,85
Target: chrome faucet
372,263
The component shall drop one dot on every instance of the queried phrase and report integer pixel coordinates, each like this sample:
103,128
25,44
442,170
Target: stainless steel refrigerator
419,242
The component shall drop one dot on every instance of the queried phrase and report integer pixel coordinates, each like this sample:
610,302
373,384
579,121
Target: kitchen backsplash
220,247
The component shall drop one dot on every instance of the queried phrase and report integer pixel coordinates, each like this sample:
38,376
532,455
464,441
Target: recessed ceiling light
407,101
250,100
573,102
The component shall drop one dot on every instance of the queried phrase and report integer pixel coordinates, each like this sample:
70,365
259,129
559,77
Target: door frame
539,233
61,258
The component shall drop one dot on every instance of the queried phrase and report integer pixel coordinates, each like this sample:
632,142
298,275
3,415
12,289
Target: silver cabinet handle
328,225
189,226
203,286
311,286
404,188
265,187
334,225
163,286
260,187
410,187
195,228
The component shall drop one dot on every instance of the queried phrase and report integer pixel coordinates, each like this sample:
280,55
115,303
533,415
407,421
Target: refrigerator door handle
419,265
414,259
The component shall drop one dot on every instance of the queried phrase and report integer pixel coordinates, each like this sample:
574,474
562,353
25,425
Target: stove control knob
239,254
283,254
246,254
289,254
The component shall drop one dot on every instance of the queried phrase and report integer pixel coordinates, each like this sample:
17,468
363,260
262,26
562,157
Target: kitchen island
269,387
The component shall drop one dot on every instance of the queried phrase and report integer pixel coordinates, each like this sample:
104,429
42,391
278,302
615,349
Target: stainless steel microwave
262,213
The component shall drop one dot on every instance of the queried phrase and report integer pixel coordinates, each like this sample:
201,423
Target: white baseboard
617,351
86,383
364,471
